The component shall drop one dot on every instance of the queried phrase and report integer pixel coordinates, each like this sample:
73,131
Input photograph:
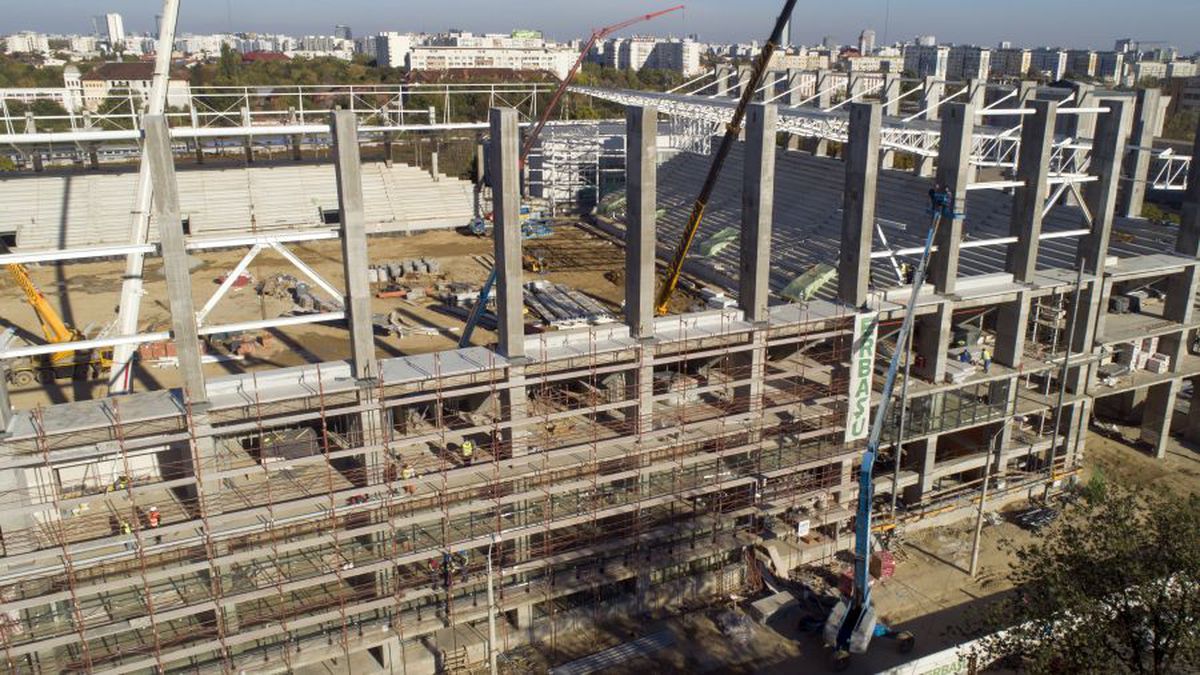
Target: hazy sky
1071,23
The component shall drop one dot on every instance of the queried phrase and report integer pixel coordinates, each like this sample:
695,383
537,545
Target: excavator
83,364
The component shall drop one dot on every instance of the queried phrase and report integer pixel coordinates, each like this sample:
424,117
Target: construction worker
987,359
154,518
407,474
127,529
468,451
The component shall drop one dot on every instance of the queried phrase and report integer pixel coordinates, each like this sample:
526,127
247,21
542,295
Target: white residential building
866,42
392,49
432,57
114,29
1081,62
1110,66
636,53
130,79
27,42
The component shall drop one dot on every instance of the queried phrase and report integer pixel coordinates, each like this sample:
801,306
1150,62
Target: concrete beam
1100,196
1029,200
355,261
175,258
758,199
641,180
1137,161
954,173
858,202
506,198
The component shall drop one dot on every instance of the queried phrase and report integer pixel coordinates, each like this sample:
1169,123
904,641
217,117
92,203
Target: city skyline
1093,24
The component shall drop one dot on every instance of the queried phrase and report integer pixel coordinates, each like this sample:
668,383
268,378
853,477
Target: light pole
987,473
491,600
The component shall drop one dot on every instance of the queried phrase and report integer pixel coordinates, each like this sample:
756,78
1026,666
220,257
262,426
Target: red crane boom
599,34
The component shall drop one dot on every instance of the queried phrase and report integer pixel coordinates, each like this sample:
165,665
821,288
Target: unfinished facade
311,513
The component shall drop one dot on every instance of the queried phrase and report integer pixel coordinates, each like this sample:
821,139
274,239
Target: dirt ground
87,294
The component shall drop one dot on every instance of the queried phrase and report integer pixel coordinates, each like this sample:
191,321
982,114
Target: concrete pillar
294,139
954,173
924,458
1026,92
506,199
977,93
889,98
758,195
93,153
743,79
247,146
641,171
932,342
6,411
1033,168
795,94
824,99
1108,149
35,155
1160,398
433,166
858,202
197,146
1082,126
175,258
1137,161
931,96
1012,320
355,261
722,81
480,165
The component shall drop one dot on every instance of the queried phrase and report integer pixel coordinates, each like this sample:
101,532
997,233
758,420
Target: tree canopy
1112,587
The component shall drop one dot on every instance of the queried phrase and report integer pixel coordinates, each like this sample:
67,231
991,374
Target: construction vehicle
79,365
732,131
478,226
852,623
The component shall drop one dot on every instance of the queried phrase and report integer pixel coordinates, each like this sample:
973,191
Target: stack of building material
1158,364
562,306
957,372
395,270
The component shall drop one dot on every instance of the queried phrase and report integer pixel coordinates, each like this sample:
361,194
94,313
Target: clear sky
1068,23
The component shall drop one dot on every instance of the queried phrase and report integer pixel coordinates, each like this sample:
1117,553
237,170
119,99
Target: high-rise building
926,60
1110,66
393,49
1010,62
1049,61
927,40
785,38
1081,62
636,53
114,29
343,32
866,42
1005,44
967,62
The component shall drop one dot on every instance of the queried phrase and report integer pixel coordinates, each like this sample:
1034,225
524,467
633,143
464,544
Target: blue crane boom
852,623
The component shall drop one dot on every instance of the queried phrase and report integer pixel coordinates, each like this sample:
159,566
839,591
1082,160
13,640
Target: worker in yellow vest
407,473
468,452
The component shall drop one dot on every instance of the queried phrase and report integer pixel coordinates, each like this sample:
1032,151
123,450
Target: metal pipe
987,473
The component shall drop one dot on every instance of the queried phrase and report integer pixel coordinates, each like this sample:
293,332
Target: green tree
228,64
1113,587
1182,125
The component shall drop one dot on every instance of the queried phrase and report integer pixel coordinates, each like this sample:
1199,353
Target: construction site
272,406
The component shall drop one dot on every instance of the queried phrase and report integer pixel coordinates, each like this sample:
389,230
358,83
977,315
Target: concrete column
355,261
722,81
506,199
641,180
954,173
858,202
93,154
924,458
743,79
480,165
294,139
1137,161
932,342
1012,321
1026,92
6,411
889,98
931,96
977,93
1082,126
35,155
175,259
854,85
795,78
1033,168
247,146
1100,195
198,147
758,196
1160,398
433,166
823,100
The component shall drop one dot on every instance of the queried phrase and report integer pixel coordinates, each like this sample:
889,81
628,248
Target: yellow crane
56,331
